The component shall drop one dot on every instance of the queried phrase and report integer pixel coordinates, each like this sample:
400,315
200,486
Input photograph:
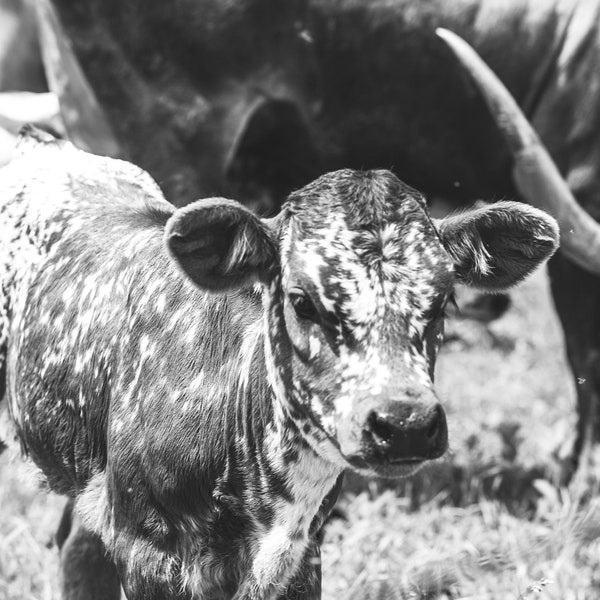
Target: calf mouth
388,469
389,458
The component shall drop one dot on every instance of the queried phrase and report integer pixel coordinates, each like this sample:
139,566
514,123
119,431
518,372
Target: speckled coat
199,399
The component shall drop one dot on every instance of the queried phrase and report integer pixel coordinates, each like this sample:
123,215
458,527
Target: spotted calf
198,379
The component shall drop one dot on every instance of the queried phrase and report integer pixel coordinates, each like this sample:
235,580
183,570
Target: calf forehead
365,244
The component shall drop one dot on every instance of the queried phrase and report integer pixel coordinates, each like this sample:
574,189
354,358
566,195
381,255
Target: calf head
355,279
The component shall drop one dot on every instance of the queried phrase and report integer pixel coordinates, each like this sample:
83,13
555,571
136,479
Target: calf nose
408,434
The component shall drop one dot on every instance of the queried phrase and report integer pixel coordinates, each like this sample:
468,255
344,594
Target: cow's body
371,67
202,436
384,69
201,70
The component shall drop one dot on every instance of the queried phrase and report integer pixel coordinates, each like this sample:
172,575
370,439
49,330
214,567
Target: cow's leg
87,573
264,581
577,299
306,584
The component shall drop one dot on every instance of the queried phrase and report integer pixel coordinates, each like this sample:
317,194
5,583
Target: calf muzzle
405,434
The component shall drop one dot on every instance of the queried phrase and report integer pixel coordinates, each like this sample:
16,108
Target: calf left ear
220,245
499,245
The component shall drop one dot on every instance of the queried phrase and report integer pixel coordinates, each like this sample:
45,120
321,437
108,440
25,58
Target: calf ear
221,245
499,245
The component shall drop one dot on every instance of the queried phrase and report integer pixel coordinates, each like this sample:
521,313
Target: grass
487,521
28,519
479,551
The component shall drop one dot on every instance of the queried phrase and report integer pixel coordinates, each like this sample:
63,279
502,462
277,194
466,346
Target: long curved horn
535,174
84,119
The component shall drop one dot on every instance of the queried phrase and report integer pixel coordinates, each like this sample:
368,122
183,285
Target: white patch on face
161,303
419,367
328,423
389,241
360,375
312,261
314,346
363,297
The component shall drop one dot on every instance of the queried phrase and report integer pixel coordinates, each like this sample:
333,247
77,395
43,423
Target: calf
198,379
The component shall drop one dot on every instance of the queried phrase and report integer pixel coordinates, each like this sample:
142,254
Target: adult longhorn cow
179,84
390,94
197,379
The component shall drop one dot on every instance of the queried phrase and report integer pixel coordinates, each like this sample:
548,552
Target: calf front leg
87,573
306,584
279,561
577,299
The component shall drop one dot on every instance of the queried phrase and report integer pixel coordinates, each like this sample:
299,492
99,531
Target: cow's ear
496,246
220,245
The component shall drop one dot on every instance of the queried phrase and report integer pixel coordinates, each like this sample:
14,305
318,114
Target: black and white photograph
299,299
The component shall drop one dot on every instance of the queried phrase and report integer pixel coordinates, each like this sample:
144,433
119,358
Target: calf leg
577,299
264,581
87,573
306,584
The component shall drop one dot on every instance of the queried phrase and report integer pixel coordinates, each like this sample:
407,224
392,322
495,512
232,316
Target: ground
486,522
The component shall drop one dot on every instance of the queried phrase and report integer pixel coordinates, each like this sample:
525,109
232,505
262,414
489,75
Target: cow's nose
408,434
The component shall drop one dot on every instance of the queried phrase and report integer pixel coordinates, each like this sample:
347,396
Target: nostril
436,423
379,428
437,433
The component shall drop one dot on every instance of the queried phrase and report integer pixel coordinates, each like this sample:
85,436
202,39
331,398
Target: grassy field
485,522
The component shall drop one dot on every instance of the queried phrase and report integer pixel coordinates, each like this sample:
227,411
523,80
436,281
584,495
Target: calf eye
303,305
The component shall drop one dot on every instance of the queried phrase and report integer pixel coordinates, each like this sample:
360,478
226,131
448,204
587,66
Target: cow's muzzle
408,434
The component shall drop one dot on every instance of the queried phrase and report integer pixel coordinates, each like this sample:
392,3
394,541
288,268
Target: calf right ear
220,245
